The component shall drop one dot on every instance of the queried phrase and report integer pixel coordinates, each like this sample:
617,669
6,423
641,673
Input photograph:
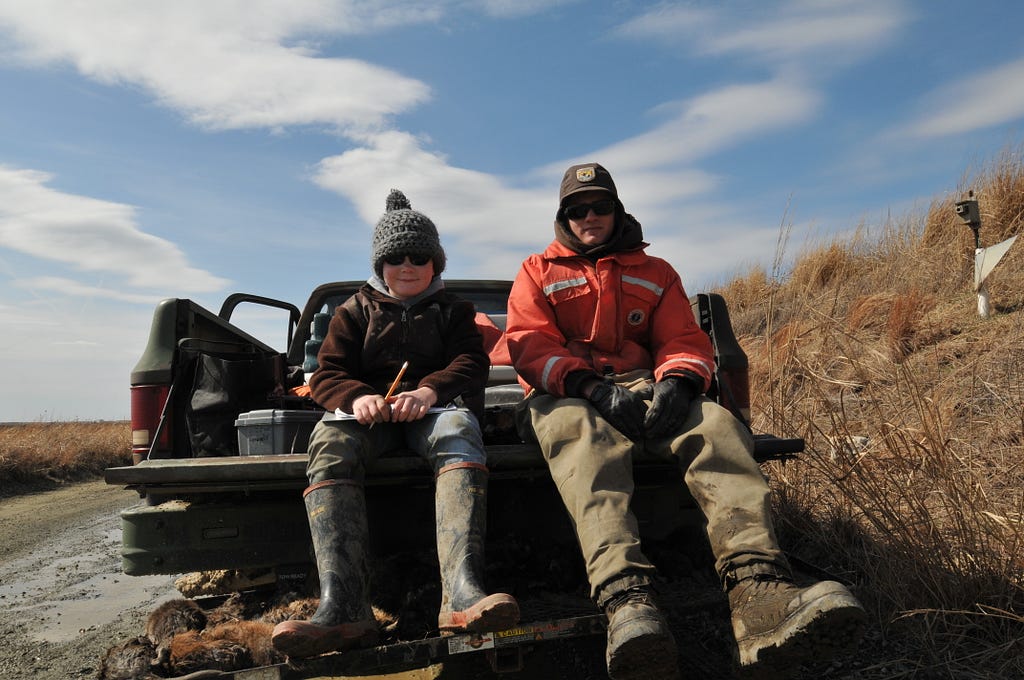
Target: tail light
147,404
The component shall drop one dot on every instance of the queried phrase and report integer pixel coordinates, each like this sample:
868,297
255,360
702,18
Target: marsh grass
912,407
41,454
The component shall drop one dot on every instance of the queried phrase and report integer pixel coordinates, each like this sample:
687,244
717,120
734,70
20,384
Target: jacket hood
627,234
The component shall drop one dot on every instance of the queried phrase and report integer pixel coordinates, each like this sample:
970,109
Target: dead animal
232,609
253,635
301,609
231,646
131,660
169,619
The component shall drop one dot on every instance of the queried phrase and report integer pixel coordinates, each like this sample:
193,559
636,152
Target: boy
402,314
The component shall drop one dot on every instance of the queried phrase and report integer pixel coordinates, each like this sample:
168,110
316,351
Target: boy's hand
412,405
371,408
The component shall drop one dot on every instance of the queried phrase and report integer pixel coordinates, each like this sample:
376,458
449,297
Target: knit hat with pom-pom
403,231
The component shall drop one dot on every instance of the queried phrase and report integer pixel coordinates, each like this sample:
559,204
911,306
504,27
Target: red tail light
147,405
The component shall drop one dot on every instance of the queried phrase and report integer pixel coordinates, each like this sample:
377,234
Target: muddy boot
343,619
779,625
461,514
640,644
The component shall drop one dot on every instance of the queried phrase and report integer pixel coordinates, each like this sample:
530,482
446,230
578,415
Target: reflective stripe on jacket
627,311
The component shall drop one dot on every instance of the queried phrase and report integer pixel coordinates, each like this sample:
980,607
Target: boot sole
650,652
492,613
825,627
301,640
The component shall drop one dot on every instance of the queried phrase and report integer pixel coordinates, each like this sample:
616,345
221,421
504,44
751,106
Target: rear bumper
181,536
246,512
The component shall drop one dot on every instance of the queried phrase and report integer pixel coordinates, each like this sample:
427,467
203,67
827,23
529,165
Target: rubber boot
779,626
461,514
640,644
343,619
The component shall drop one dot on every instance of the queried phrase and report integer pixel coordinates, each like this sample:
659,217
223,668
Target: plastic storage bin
272,431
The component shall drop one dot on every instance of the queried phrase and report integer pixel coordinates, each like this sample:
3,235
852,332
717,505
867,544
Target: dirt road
63,598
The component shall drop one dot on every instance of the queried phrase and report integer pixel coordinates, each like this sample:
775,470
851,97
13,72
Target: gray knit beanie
403,231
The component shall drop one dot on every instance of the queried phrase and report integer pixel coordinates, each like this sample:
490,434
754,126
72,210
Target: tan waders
591,463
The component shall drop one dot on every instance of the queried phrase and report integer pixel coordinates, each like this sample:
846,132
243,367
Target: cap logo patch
585,174
635,317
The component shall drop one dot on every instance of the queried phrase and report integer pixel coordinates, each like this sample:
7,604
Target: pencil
394,385
398,379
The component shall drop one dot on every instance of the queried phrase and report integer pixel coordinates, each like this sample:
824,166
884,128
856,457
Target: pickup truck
219,437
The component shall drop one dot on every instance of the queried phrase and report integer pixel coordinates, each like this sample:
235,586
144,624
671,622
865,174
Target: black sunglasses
417,260
605,206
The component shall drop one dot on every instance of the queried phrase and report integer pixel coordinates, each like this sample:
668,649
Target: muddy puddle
73,583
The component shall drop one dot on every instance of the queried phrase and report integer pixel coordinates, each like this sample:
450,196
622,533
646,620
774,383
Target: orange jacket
627,311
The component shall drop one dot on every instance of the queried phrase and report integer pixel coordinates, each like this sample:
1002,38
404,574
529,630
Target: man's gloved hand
669,406
620,407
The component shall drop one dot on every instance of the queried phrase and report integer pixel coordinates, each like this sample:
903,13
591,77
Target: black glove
669,406
623,409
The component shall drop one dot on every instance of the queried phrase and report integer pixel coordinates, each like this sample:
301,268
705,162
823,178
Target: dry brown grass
34,454
912,407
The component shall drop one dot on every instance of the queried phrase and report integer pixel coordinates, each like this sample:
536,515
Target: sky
197,148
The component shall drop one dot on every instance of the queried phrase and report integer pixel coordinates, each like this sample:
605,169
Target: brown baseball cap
586,177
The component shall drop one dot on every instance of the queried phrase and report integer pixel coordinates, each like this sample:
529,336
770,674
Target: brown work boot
779,625
640,644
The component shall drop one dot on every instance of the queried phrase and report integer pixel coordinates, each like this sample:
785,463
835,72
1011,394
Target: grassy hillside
912,406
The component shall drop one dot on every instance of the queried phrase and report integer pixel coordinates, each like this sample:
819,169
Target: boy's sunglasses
416,260
605,206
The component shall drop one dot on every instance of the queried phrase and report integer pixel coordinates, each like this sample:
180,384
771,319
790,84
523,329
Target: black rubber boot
461,515
343,619
640,644
779,625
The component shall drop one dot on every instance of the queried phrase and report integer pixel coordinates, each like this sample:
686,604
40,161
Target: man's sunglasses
606,206
416,260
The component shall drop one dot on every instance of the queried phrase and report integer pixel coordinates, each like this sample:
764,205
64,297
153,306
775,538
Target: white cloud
978,101
65,286
775,32
519,8
473,207
512,217
90,234
225,64
715,121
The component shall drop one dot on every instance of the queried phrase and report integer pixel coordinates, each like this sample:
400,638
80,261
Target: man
613,362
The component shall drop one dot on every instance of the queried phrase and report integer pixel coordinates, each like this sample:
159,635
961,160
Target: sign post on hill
985,259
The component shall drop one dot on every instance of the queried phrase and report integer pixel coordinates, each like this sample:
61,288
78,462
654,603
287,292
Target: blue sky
199,148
